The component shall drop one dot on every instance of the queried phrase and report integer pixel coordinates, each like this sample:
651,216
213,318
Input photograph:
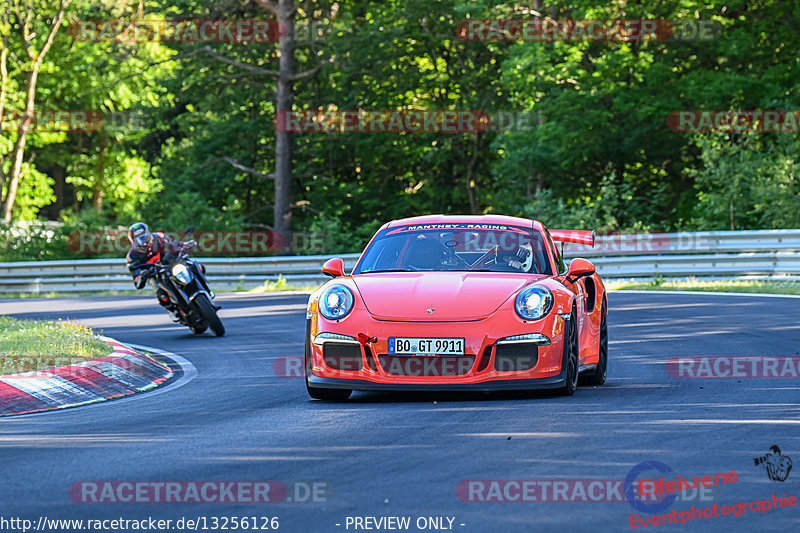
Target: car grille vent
515,357
342,356
427,367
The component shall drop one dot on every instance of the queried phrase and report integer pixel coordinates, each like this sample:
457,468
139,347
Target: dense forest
112,111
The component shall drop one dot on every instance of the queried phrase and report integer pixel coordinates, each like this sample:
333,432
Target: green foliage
277,285
35,191
598,213
339,237
747,181
39,240
31,241
597,152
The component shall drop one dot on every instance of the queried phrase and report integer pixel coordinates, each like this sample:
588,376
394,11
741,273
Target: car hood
453,296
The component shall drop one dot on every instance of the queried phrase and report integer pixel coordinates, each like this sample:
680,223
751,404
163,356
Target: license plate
425,346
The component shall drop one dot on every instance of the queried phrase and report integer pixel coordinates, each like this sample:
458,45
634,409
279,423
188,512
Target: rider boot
164,301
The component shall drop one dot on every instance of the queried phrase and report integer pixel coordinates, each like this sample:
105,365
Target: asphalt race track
383,454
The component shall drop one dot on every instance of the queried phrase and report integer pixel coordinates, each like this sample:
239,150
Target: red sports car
458,303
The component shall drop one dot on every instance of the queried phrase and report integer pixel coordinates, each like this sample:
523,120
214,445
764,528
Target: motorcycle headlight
534,302
336,302
181,273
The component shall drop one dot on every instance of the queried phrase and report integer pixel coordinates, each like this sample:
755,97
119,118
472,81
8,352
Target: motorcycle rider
147,248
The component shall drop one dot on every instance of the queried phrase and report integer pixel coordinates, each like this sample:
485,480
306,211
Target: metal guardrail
717,254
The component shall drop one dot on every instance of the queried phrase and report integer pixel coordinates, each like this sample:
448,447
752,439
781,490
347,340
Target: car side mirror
579,268
333,267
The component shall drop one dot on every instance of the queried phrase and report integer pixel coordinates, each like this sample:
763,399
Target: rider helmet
139,235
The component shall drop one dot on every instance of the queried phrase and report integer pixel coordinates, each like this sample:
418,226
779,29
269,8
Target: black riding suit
140,260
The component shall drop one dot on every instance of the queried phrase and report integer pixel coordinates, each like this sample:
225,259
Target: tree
747,180
28,20
284,78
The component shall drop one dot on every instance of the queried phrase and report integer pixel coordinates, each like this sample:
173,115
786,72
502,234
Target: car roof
468,219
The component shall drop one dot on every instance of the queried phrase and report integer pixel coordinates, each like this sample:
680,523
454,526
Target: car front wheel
571,362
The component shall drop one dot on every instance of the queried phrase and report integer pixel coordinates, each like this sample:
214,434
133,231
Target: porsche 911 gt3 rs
446,302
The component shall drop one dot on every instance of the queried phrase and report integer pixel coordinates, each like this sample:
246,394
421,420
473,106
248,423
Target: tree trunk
3,87
730,214
538,6
283,104
474,208
22,138
58,173
3,81
99,191
30,101
539,177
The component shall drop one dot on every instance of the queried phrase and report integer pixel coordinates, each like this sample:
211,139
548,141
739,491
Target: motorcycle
184,282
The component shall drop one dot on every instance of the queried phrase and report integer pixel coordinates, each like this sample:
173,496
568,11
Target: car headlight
534,302
181,273
336,302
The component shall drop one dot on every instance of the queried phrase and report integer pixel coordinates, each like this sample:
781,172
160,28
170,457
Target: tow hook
365,339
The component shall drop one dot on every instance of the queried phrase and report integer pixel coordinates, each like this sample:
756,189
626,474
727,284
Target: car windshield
456,247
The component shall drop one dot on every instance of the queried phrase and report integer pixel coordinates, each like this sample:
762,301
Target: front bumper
486,365
498,385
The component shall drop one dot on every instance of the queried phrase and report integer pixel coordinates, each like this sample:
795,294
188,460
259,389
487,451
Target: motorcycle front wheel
209,314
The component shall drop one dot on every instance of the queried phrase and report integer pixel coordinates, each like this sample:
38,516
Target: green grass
38,345
661,284
281,285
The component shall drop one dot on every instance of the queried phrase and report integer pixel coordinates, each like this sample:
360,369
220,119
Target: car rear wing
576,236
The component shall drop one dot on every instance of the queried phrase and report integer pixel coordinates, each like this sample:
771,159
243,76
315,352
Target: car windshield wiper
385,270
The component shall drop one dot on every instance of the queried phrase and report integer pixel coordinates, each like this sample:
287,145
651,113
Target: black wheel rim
603,362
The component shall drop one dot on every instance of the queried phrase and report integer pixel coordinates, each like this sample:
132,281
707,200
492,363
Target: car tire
317,393
598,375
571,360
